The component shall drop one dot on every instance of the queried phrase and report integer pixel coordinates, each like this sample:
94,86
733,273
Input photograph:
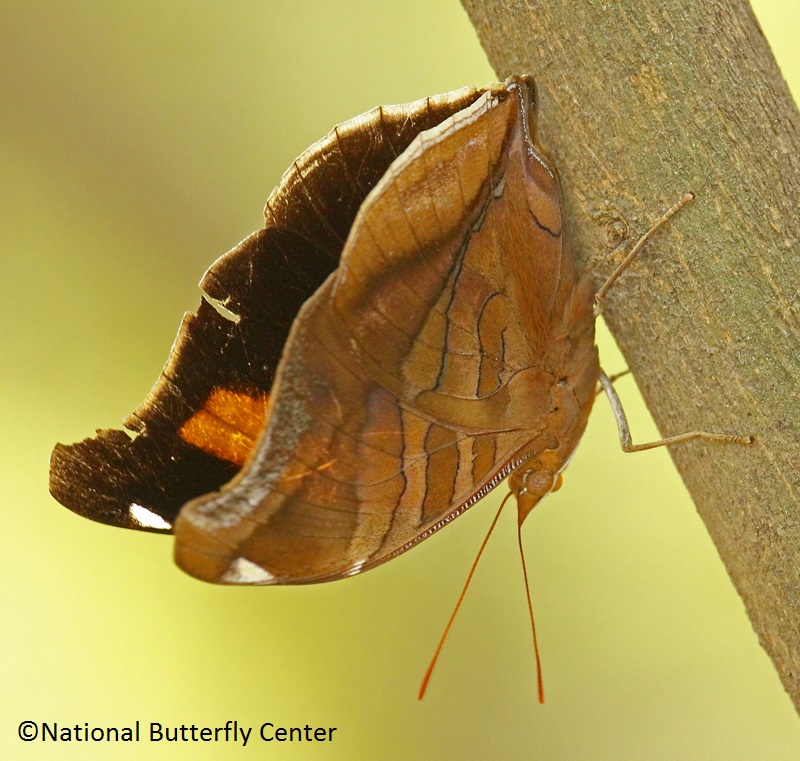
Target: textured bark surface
641,101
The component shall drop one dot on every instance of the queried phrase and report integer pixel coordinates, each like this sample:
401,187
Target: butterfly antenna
539,681
427,677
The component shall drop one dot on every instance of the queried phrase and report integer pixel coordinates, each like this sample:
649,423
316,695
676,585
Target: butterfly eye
541,482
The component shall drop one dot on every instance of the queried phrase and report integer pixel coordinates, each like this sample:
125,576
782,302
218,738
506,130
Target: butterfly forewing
420,373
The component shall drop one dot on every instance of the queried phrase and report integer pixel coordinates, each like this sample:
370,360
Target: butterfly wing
419,375
193,432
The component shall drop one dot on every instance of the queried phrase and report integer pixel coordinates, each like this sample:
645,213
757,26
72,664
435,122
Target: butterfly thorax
575,367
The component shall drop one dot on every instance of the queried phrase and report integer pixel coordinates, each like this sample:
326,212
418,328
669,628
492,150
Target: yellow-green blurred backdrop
138,141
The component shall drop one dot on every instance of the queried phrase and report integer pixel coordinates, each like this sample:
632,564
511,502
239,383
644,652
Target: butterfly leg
613,378
625,433
600,296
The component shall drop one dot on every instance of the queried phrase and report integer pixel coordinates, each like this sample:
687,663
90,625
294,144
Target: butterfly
409,329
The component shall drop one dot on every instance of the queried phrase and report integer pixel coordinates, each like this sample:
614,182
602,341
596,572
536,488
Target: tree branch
641,101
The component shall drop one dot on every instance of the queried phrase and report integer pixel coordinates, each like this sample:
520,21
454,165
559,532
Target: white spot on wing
219,305
244,571
356,568
147,518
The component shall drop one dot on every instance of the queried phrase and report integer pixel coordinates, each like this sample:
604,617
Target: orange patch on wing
227,425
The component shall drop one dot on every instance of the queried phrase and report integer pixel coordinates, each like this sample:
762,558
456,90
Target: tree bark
639,102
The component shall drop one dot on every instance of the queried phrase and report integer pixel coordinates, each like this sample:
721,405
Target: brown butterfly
445,342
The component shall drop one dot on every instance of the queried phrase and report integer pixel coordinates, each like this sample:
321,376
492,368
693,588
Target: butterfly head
531,485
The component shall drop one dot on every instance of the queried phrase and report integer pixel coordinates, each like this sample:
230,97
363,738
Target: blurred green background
138,142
